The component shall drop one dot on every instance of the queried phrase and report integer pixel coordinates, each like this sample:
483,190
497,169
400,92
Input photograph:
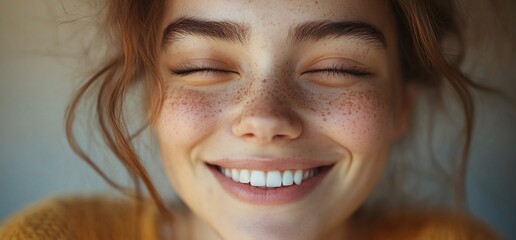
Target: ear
403,114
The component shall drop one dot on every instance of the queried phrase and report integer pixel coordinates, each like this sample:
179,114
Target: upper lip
269,164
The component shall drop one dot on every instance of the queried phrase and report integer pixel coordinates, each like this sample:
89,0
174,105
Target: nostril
280,137
248,135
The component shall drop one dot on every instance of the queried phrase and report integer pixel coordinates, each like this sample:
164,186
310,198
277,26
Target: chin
273,227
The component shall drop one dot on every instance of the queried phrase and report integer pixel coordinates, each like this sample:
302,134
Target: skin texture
267,104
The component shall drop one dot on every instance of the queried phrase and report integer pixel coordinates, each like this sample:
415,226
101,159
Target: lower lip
268,196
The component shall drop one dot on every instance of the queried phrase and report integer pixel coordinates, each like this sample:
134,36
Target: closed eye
185,71
338,70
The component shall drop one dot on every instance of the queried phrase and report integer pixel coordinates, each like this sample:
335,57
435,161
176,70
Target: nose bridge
267,97
264,97
267,113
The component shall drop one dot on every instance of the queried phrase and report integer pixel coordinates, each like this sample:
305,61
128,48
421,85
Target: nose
267,120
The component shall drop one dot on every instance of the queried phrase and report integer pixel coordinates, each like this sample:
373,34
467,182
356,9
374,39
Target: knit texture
93,218
429,225
87,218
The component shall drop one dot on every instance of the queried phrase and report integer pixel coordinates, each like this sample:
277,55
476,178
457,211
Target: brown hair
135,27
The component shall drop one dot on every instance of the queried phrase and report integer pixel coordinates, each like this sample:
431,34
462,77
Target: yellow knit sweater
93,218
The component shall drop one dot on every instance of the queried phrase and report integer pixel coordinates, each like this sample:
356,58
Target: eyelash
185,70
338,70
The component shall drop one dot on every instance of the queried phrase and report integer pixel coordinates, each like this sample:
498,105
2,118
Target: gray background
41,65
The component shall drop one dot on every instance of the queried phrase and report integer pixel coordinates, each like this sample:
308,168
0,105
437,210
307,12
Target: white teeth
258,178
298,177
270,179
305,175
244,176
227,172
235,175
288,179
274,179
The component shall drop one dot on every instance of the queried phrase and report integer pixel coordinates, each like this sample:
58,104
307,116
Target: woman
274,119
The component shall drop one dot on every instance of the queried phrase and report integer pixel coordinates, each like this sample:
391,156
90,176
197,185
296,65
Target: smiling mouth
270,179
263,187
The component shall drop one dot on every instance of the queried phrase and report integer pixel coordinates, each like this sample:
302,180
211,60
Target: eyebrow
313,31
237,32
224,30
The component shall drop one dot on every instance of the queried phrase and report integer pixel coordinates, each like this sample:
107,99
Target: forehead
276,16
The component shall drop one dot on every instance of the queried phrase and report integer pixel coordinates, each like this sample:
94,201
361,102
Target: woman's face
279,115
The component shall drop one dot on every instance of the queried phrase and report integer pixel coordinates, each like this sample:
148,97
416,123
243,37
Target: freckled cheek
359,124
186,117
